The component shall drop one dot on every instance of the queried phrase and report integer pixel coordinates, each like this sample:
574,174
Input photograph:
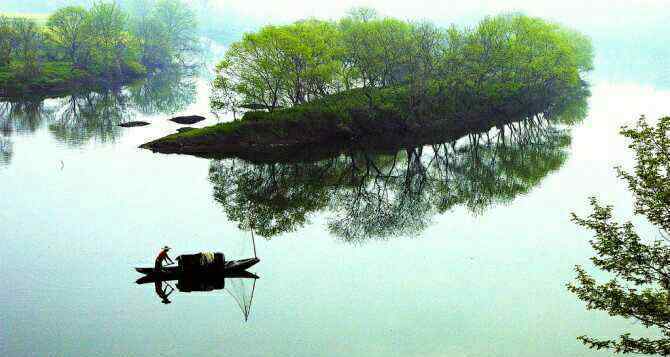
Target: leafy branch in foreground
640,288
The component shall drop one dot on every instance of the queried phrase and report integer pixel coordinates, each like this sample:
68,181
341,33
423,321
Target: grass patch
340,108
335,108
40,19
59,77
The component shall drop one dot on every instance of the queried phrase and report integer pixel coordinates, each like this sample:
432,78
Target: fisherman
162,256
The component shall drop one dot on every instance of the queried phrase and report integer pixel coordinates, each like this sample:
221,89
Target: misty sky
577,13
586,15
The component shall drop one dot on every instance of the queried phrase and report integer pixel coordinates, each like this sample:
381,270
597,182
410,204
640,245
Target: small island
79,49
188,119
368,80
132,124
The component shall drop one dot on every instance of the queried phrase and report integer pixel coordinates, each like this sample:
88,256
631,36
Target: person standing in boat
162,256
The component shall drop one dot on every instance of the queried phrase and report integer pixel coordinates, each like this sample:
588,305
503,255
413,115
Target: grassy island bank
384,82
103,46
344,121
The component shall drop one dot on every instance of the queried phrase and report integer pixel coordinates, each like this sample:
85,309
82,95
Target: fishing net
242,290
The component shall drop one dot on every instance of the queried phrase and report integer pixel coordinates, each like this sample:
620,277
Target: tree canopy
103,42
289,65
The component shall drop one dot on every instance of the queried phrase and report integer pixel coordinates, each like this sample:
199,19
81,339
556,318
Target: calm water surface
81,205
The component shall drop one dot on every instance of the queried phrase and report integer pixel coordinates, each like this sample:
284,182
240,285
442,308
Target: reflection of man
162,291
162,256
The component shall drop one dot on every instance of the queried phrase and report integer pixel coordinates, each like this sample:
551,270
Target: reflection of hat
166,248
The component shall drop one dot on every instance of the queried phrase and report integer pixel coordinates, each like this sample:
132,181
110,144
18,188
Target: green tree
426,51
7,40
640,286
180,26
505,59
150,33
78,46
282,65
362,14
28,43
111,45
167,31
224,96
67,30
376,50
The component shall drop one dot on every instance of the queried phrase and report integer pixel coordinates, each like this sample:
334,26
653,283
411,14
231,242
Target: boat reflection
239,285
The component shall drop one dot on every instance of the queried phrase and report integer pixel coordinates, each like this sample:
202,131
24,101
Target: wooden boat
232,266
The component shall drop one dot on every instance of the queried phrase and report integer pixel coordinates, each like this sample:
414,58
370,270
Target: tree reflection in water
166,92
5,150
23,116
82,117
379,195
95,115
382,195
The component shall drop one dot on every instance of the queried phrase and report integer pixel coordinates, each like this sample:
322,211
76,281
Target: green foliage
640,289
100,44
504,59
110,44
165,29
7,40
318,116
27,43
67,29
281,65
376,50
511,54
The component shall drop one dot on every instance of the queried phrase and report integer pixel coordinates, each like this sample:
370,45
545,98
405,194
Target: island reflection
380,195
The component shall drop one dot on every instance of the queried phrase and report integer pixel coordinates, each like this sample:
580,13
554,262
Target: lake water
81,206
